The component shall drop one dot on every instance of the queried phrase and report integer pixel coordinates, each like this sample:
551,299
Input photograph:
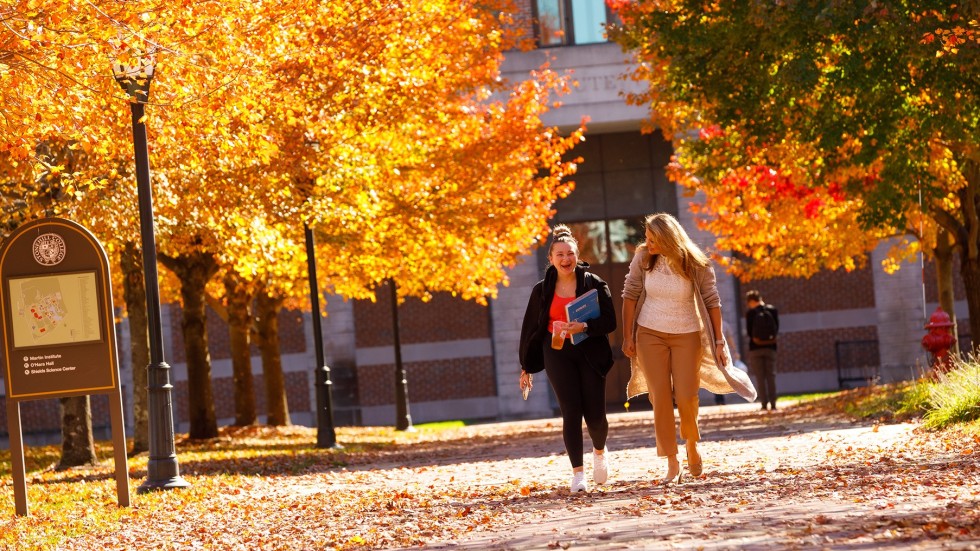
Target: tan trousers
670,365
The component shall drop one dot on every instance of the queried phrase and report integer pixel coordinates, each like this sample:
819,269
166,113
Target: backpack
764,327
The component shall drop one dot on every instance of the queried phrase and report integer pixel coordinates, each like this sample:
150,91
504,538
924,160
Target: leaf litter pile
800,477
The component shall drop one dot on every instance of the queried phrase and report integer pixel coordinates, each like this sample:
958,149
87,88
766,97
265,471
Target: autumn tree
771,206
439,158
883,93
424,152
56,85
261,275
54,62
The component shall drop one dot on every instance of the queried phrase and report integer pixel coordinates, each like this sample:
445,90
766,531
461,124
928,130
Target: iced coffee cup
558,332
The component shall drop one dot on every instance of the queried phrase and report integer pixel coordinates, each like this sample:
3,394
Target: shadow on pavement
493,442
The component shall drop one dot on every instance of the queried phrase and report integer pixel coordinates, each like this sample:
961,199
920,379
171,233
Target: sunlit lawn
807,397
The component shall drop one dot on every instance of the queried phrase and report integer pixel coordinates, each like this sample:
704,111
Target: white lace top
669,306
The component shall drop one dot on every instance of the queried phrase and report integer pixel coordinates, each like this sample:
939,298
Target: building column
899,305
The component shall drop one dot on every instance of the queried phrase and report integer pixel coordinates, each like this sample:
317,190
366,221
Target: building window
607,241
592,245
619,182
624,235
567,22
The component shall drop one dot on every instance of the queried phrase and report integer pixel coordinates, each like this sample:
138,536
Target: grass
941,401
888,402
442,425
915,401
62,504
955,397
807,397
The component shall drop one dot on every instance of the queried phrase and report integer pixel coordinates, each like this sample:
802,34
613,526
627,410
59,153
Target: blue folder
583,308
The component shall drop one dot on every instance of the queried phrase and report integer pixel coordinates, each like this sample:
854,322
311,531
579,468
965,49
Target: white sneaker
578,483
600,467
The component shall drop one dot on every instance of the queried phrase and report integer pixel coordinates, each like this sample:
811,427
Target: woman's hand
527,381
629,347
722,351
575,327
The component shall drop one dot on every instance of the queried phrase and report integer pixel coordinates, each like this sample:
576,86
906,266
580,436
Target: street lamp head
135,78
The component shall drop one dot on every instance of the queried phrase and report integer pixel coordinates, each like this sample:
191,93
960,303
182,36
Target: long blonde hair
675,245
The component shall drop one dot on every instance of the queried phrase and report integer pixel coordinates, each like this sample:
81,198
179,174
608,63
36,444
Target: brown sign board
57,312
58,333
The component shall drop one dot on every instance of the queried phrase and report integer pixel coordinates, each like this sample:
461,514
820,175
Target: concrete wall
598,70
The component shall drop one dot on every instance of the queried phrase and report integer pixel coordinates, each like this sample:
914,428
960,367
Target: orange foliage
386,126
778,211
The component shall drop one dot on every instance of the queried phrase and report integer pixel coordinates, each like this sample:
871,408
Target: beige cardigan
714,376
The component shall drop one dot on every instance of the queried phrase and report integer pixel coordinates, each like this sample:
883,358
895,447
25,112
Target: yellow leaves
422,147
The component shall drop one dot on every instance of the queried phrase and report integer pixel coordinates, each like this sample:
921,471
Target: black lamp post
162,470
326,436
403,418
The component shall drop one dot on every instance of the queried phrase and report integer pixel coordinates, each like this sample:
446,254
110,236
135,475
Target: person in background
762,325
577,372
672,332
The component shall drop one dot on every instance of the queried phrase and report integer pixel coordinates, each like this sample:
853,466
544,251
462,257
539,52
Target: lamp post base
326,435
162,470
165,484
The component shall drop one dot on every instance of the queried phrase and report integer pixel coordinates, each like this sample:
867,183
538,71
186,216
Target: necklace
565,288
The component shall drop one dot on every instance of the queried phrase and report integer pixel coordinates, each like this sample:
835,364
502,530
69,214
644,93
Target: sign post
58,332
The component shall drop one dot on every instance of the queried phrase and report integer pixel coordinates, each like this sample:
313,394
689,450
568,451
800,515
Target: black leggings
581,393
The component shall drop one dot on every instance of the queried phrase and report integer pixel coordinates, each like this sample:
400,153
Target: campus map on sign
54,310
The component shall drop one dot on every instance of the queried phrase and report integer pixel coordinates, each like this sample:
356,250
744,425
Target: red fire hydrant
939,340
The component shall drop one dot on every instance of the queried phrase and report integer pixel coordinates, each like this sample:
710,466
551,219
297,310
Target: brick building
461,358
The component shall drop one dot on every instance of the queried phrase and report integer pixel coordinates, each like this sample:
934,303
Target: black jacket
534,331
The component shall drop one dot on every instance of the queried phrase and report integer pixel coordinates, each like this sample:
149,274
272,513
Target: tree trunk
239,326
77,443
134,293
277,410
943,253
971,280
194,271
970,248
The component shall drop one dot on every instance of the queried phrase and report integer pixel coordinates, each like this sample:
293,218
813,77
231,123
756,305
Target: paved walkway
798,478
772,481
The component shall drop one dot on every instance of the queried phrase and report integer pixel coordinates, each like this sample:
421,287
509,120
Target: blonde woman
673,334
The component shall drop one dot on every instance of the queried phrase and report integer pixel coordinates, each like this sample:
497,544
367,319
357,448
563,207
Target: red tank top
557,310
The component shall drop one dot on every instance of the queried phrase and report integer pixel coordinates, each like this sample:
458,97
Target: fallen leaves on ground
801,476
